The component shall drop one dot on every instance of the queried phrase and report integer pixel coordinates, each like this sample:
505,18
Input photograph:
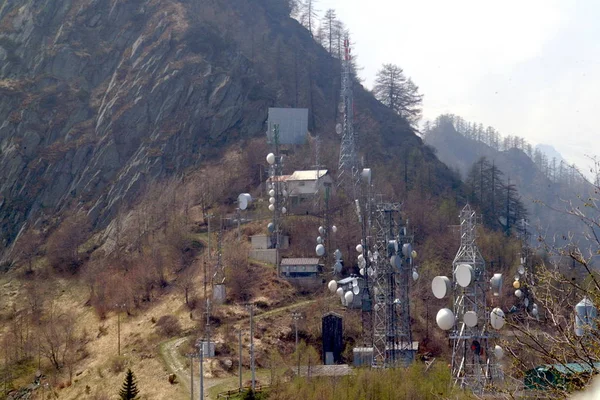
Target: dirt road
178,365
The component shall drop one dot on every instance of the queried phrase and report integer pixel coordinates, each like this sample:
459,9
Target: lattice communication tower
348,164
473,360
391,271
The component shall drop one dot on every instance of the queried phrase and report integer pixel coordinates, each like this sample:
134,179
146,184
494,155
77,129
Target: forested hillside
508,168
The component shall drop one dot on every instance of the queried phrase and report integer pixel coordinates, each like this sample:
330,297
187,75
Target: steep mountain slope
101,96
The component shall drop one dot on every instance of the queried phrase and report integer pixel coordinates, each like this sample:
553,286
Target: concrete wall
264,255
262,242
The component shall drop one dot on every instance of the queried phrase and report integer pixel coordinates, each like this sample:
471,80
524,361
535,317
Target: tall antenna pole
201,372
348,163
252,346
240,355
277,200
472,363
207,300
391,269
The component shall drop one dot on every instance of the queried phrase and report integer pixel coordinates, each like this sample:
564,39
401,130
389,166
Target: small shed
569,376
333,341
302,272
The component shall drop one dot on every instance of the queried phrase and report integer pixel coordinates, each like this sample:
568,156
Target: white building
302,185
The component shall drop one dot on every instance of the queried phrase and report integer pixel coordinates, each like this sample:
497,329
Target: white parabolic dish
445,319
498,352
470,318
332,286
440,286
244,199
349,296
497,318
320,250
463,274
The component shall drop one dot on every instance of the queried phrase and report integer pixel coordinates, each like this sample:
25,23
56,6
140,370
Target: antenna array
391,261
277,195
348,164
473,365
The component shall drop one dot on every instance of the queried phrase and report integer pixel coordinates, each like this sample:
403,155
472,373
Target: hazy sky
528,68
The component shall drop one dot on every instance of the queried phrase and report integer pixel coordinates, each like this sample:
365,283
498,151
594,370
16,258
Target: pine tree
398,92
129,391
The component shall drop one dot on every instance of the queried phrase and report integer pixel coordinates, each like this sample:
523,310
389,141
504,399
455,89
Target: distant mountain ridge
539,189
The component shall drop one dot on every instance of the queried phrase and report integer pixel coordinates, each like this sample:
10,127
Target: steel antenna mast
472,362
348,164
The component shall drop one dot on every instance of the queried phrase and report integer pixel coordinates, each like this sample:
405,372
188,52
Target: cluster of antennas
346,289
395,259
320,249
277,188
464,275
522,290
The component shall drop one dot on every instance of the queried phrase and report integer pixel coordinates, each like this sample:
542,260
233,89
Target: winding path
169,350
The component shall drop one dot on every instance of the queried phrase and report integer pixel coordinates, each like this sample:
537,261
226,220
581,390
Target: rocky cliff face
97,97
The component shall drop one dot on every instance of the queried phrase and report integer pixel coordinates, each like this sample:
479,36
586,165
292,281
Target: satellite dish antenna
271,192
361,271
271,227
415,275
361,261
272,200
406,249
441,286
244,200
516,284
337,254
337,267
338,129
413,254
463,274
396,261
445,319
271,207
340,292
341,108
334,229
359,248
497,318
321,230
496,284
319,240
271,158
332,285
498,352
470,318
320,250
366,175
349,296
518,293
371,272
283,210
356,290
521,269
